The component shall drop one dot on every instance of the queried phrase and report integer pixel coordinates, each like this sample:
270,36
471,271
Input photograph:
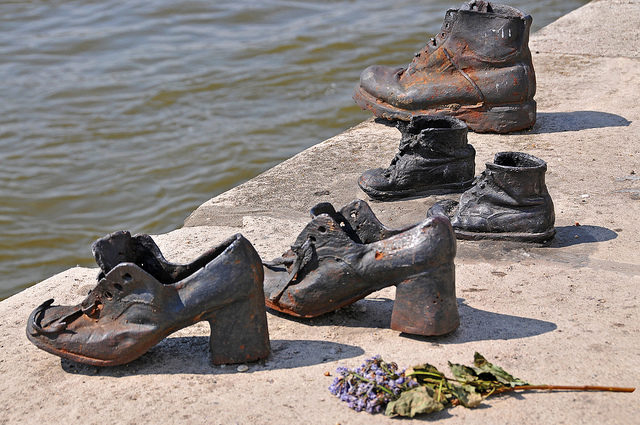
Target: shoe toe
44,318
380,81
373,180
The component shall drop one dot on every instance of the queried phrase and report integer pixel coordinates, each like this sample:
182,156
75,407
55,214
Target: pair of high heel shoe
339,258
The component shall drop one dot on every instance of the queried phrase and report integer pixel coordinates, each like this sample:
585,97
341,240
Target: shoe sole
92,361
311,315
382,195
241,324
506,236
479,118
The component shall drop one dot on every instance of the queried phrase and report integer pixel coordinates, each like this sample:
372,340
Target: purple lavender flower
371,386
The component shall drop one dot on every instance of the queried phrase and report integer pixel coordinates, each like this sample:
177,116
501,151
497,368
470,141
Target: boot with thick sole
508,201
434,158
478,68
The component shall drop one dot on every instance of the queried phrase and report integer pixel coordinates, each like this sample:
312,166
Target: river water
128,115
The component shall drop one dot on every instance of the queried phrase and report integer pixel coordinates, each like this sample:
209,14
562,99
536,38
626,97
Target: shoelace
403,149
304,255
55,326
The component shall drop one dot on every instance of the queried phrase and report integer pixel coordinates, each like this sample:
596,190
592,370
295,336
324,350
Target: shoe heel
500,119
426,304
239,331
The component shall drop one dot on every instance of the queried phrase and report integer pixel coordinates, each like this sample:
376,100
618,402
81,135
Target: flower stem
565,388
440,390
435,375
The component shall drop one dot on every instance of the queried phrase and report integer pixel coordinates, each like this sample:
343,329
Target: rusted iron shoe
434,158
478,68
141,298
508,201
343,256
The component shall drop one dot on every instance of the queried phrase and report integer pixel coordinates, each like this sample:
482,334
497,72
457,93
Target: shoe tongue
112,249
121,247
323,208
478,6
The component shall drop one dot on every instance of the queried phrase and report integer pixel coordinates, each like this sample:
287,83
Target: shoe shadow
557,122
566,236
475,324
372,313
576,235
481,325
190,355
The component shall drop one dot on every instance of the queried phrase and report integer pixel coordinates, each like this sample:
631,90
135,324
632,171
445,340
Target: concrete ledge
562,314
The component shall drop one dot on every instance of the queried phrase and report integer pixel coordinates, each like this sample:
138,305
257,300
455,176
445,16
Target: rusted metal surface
141,298
508,201
478,68
342,256
433,158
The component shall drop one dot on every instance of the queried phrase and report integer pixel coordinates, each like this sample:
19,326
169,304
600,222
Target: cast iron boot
341,257
141,298
478,68
508,201
434,158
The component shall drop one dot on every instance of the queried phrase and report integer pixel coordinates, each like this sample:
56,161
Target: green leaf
462,372
433,380
413,402
482,366
424,368
424,372
467,395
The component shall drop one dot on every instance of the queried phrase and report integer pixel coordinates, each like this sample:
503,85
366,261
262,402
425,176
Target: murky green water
128,115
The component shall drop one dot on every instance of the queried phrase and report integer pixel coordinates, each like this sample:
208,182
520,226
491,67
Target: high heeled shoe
343,256
141,298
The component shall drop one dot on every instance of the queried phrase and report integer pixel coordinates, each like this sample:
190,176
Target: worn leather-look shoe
141,298
478,69
433,158
341,257
508,201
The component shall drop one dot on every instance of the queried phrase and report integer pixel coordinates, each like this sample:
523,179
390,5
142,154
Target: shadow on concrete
475,324
489,250
480,325
190,355
384,121
556,122
373,313
576,235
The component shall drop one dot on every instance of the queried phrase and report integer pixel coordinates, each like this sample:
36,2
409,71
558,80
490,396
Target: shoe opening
481,6
517,159
423,122
121,247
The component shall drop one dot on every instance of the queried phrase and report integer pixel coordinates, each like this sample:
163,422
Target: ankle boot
141,298
433,158
508,201
341,257
478,68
